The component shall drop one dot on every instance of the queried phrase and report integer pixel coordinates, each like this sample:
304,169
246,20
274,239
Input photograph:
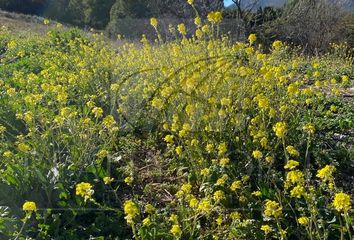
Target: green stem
347,221
28,215
134,231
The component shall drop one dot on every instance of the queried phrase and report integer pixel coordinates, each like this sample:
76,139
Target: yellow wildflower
205,172
297,191
303,220
107,180
309,128
224,161
291,165
266,229
292,151
186,188
235,216
272,208
169,138
257,193
29,206
193,202
252,38
215,17
341,202
131,210
129,180
222,148
182,29
293,178
146,221
280,129
218,196
277,45
153,22
325,174
219,220
84,190
236,185
97,111
205,206
176,230
257,154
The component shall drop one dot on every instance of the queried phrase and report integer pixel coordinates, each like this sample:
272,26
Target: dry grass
25,24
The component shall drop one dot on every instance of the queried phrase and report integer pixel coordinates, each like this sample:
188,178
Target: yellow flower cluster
29,206
215,17
84,190
131,210
272,209
341,202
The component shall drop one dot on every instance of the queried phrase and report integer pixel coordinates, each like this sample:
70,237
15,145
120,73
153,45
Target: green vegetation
194,138
311,25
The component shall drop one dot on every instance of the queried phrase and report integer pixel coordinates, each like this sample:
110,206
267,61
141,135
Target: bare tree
314,24
244,10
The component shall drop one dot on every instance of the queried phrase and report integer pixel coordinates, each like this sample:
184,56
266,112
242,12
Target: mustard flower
222,148
257,193
169,138
149,208
309,128
214,17
292,151
280,129
108,180
291,165
186,188
269,159
224,161
29,206
23,147
176,230
153,22
252,38
193,203
294,177
303,220
277,45
173,218
272,208
131,210
219,220
236,185
235,215
146,222
205,172
205,206
266,229
129,180
297,191
257,154
342,202
325,174
219,195
198,22
84,190
182,29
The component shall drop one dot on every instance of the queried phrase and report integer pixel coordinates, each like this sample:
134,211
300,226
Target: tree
314,24
24,6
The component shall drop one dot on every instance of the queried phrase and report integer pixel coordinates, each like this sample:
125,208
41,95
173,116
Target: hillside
278,3
22,23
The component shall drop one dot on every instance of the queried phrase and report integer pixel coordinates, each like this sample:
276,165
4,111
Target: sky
227,2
